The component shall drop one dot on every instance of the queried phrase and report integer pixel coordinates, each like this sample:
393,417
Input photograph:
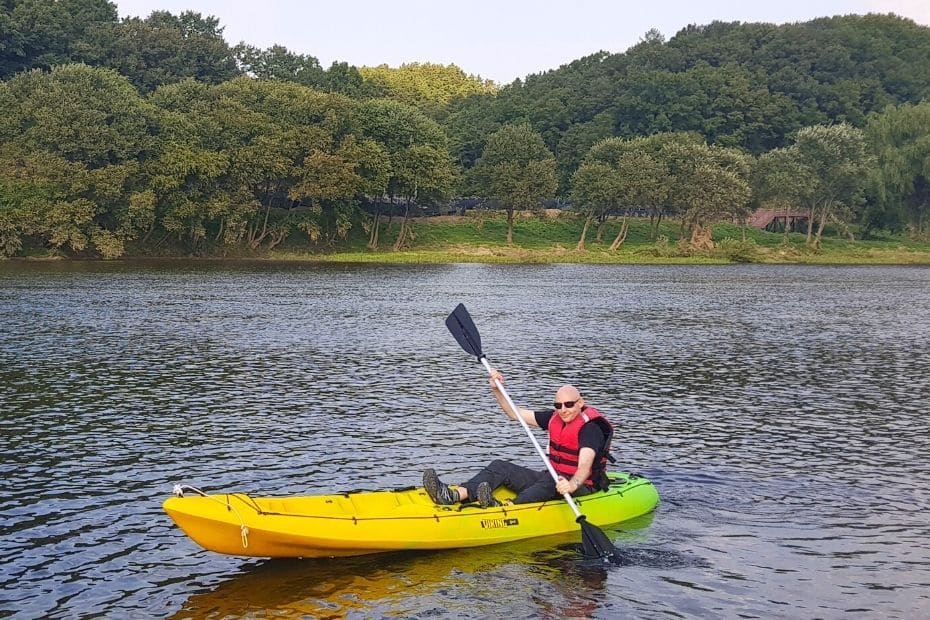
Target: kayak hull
381,521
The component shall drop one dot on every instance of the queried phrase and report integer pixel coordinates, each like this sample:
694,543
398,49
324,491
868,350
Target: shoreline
516,256
550,239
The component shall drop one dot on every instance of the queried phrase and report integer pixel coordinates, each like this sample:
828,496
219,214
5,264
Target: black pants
529,484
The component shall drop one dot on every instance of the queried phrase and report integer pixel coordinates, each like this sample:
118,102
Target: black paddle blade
464,331
595,544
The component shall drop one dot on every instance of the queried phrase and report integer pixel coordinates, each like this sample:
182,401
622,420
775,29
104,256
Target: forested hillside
129,135
744,85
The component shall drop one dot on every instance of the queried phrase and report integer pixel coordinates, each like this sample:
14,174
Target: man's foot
438,491
486,497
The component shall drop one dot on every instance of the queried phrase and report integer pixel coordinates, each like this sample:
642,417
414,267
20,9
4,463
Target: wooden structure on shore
775,220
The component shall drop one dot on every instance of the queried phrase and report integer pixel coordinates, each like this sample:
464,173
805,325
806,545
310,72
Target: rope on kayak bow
178,490
243,528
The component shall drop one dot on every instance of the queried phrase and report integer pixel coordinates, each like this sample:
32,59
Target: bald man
579,446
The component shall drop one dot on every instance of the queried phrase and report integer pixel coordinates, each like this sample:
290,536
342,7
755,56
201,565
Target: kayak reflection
541,576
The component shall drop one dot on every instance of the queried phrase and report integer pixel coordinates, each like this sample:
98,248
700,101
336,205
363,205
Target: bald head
568,402
567,392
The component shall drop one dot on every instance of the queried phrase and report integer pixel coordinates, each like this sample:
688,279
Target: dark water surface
783,412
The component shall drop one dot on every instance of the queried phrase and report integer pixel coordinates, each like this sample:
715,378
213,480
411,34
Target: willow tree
516,170
899,138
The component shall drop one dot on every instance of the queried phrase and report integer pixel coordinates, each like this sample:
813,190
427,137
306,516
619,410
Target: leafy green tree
398,128
371,163
778,182
899,138
838,166
517,170
162,49
333,182
191,193
469,123
619,175
191,180
596,190
426,86
260,136
724,104
423,173
656,183
577,140
73,143
278,63
42,34
751,86
341,77
708,184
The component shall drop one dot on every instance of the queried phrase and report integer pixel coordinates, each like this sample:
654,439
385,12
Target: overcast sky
496,39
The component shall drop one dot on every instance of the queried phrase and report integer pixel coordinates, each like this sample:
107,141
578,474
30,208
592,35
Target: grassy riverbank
481,237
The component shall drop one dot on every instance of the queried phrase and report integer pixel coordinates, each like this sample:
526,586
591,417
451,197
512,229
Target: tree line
154,131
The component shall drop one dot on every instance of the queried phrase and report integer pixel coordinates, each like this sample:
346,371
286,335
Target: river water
782,411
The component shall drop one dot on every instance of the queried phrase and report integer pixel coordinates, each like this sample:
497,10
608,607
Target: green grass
482,237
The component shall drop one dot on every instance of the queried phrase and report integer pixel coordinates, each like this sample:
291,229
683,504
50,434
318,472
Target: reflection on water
416,585
780,410
461,583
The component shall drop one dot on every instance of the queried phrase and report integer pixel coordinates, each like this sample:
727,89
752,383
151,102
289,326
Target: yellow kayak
379,521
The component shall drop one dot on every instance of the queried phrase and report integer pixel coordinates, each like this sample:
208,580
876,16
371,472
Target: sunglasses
568,404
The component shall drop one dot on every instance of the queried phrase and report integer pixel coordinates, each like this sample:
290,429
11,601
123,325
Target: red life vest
565,444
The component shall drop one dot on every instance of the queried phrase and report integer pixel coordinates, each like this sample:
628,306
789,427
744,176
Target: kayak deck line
389,520
250,502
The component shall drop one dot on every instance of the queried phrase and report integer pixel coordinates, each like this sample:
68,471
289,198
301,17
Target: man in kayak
579,447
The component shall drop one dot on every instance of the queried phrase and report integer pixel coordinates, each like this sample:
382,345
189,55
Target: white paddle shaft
526,427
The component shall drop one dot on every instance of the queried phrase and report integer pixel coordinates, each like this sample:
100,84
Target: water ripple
780,410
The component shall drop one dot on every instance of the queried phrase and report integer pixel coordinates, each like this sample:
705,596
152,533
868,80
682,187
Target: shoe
486,497
438,491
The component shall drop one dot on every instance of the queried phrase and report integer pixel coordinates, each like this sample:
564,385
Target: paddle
594,542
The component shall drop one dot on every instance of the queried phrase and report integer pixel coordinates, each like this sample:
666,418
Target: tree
745,85
778,180
334,182
724,104
276,147
595,190
42,34
426,86
517,170
162,49
422,173
618,175
399,128
73,143
838,166
899,138
577,141
708,184
654,178
341,77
